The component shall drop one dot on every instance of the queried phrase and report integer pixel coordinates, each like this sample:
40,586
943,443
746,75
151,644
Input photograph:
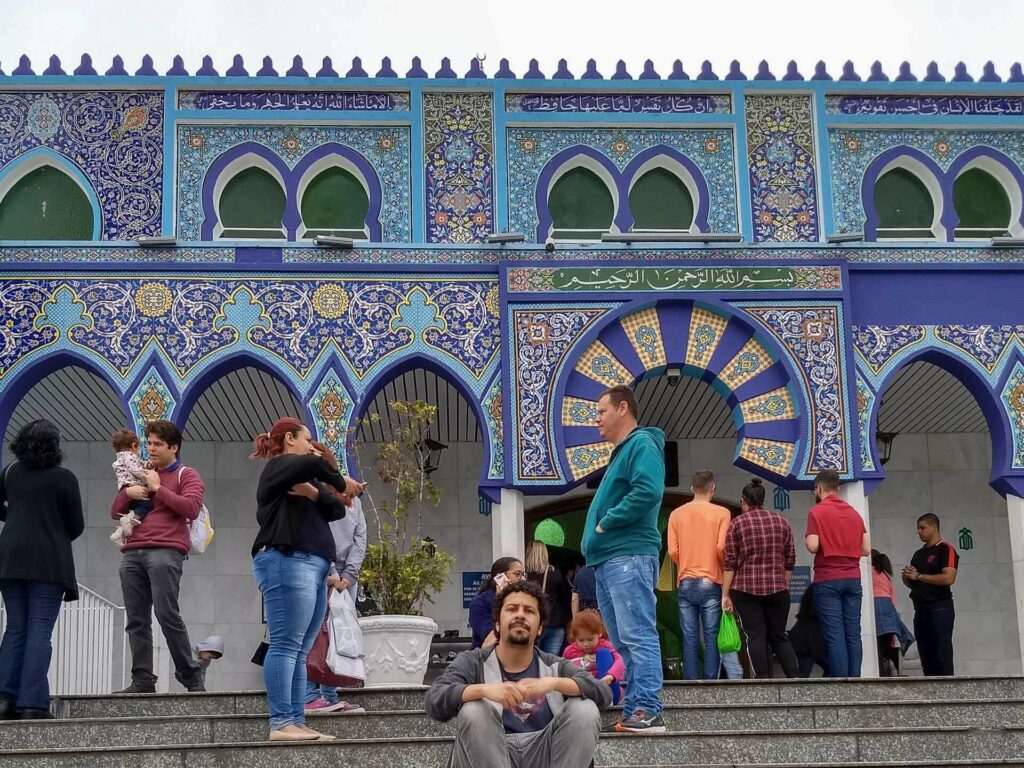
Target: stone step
214,729
931,747
675,693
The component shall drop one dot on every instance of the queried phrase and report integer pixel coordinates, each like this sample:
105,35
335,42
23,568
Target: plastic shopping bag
728,634
345,654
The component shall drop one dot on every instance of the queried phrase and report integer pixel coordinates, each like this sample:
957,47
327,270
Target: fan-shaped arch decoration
703,340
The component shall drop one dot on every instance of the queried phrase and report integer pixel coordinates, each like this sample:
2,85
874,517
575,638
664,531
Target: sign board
471,581
800,583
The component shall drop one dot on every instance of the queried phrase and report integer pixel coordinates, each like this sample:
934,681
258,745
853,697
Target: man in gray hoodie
544,710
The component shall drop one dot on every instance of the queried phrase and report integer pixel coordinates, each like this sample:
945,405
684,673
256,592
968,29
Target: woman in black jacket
41,508
291,557
558,593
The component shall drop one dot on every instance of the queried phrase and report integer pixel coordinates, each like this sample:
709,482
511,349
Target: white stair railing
84,646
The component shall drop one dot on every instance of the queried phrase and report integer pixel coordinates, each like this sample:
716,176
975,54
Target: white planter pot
396,648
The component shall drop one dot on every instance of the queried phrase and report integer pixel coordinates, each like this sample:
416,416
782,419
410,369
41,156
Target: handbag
200,530
728,634
260,655
318,666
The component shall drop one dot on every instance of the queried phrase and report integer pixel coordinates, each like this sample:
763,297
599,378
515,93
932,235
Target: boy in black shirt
930,576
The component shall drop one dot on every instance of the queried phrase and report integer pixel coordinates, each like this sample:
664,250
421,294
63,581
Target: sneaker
612,727
641,722
138,688
320,706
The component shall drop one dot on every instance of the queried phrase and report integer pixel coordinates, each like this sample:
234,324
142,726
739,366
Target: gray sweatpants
150,580
569,741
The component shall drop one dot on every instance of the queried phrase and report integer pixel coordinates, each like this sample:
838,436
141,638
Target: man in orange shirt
696,544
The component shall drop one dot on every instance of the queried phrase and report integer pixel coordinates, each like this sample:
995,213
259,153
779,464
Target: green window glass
982,204
904,206
335,203
252,207
660,201
46,204
581,206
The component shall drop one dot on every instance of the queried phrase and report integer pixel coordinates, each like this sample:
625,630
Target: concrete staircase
905,722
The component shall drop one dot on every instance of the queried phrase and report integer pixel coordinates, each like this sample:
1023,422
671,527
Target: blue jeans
32,608
700,605
625,593
551,640
733,668
837,603
294,591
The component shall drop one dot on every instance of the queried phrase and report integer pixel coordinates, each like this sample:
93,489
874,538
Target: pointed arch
903,168
230,164
682,168
1004,172
565,162
336,156
412,362
995,417
83,217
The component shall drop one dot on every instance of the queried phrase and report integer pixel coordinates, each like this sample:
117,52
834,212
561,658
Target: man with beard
545,710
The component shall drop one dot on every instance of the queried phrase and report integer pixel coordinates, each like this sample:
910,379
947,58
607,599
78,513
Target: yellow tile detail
771,406
751,360
577,412
602,366
705,335
773,455
584,459
644,332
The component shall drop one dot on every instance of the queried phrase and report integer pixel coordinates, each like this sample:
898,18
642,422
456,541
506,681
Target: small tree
400,569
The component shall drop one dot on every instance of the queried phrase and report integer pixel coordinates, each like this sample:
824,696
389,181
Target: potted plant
401,569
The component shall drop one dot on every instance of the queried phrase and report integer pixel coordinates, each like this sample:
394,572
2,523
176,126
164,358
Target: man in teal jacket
622,542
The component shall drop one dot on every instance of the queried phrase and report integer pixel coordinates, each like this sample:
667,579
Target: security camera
673,375
549,244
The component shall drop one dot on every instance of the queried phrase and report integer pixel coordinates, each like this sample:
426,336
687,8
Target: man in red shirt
837,538
153,556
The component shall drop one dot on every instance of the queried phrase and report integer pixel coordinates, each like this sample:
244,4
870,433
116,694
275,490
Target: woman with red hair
291,557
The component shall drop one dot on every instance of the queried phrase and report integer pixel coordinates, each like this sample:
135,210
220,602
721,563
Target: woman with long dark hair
41,508
504,571
893,635
759,560
291,557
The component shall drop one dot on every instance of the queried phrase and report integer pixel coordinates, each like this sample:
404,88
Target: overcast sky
919,31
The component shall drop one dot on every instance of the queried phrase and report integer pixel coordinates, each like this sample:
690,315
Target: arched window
904,205
581,206
251,207
660,202
335,203
46,204
982,204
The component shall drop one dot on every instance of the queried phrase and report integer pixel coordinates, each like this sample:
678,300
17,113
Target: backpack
200,530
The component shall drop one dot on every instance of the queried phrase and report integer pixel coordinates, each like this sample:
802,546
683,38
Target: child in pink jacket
592,651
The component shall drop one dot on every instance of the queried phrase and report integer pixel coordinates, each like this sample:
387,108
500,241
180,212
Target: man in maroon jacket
153,556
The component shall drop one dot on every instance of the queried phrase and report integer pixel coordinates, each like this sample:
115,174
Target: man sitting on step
542,708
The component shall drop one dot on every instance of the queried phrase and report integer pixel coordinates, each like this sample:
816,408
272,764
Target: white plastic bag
345,652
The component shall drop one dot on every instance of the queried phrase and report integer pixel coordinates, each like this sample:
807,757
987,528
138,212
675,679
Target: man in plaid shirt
759,560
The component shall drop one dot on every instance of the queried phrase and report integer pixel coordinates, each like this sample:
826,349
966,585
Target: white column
853,494
1015,508
508,526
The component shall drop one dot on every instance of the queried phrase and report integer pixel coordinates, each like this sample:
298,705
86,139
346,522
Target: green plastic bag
728,634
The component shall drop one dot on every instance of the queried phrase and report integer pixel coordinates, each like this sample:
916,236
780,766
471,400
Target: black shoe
7,709
34,714
641,722
195,686
139,688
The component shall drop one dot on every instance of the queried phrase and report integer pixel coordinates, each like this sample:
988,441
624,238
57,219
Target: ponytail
270,444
